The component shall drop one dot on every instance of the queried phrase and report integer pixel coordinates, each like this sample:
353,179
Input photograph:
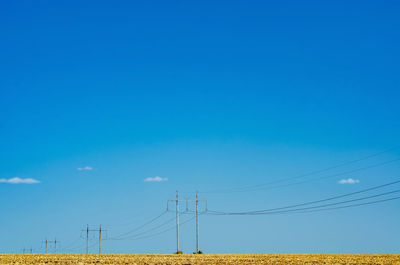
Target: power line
164,231
326,177
265,185
141,226
308,208
295,208
352,205
322,200
71,243
144,232
287,209
74,248
259,186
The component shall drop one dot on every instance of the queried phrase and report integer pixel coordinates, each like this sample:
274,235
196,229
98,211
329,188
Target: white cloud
19,181
155,179
85,168
348,181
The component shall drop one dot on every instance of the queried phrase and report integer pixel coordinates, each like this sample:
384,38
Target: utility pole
87,230
187,209
197,222
197,219
177,223
31,251
87,239
177,219
49,242
100,240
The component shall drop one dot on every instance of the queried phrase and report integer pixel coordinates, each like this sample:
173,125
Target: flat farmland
198,259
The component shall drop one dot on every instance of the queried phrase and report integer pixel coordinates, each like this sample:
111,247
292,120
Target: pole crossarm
203,201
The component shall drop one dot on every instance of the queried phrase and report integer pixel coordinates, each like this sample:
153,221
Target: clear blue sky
208,94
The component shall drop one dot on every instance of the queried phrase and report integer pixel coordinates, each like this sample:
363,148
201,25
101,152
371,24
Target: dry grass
199,259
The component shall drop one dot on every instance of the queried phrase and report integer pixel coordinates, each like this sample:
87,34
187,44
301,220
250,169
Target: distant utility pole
100,240
31,250
177,217
45,246
55,245
197,222
177,222
197,219
87,237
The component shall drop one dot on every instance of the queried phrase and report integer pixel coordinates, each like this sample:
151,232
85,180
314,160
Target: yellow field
199,259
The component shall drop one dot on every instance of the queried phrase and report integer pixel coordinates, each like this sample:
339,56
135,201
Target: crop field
199,259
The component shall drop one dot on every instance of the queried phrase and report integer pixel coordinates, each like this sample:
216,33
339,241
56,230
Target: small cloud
348,181
85,168
19,181
155,179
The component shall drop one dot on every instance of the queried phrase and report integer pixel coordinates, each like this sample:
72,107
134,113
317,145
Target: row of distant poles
24,251
197,201
46,242
177,218
100,230
87,230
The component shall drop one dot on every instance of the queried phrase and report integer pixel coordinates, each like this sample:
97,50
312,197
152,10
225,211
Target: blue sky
205,95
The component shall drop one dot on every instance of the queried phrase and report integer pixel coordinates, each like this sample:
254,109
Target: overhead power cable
326,177
141,226
327,199
285,208
70,245
263,185
313,207
163,231
351,206
144,232
75,248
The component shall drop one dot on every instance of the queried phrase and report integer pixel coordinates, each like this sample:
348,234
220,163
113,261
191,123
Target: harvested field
199,259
